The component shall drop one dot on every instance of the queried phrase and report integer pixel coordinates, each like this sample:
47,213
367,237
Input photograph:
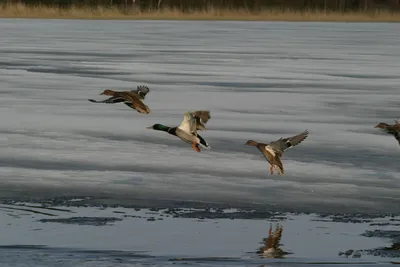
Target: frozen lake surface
260,80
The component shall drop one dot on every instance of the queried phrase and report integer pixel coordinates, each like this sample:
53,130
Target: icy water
74,236
260,80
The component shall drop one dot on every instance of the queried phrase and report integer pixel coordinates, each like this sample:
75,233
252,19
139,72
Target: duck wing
138,105
391,129
111,100
142,91
202,117
282,144
189,123
295,140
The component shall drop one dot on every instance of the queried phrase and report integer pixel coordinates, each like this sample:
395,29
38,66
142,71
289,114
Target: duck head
159,127
108,92
381,125
251,143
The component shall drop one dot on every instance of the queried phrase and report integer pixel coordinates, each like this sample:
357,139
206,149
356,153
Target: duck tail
94,101
203,142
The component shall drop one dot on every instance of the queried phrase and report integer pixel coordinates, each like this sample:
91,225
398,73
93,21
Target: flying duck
274,151
187,130
132,99
393,129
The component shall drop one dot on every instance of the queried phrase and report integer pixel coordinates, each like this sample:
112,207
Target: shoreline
195,20
117,198
204,213
21,11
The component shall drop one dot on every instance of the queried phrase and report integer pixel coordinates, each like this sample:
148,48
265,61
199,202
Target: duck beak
150,127
102,94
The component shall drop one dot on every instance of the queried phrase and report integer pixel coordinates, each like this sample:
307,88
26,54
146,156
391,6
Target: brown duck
274,150
132,99
393,129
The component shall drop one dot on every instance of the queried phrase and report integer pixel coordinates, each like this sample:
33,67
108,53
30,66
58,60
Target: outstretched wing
297,139
202,117
194,120
142,91
189,123
111,100
279,146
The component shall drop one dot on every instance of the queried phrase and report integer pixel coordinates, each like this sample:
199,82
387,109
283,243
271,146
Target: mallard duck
274,150
393,129
132,99
187,130
271,247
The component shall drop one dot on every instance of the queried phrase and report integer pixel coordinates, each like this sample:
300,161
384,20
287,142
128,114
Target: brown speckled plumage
393,129
274,150
132,99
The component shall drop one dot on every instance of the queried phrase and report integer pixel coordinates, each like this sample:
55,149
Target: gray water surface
35,235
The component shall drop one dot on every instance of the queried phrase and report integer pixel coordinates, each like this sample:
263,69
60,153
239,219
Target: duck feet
271,170
195,147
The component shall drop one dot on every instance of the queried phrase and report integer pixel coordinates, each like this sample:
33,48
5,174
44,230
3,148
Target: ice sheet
260,80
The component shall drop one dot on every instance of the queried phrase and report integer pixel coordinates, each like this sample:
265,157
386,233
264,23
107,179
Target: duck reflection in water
271,247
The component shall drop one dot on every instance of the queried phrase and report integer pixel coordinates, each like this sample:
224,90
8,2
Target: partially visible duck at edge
132,99
187,130
393,129
274,151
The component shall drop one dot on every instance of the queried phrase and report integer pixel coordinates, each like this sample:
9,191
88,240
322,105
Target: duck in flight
393,129
187,130
274,150
133,99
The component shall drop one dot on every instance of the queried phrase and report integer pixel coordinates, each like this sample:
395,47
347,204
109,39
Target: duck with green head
187,130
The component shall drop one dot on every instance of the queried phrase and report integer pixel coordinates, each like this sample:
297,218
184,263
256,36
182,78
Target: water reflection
271,247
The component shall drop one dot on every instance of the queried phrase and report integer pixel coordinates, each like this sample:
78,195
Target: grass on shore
19,10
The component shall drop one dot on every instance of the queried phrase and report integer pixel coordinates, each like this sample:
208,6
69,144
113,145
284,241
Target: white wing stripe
270,150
